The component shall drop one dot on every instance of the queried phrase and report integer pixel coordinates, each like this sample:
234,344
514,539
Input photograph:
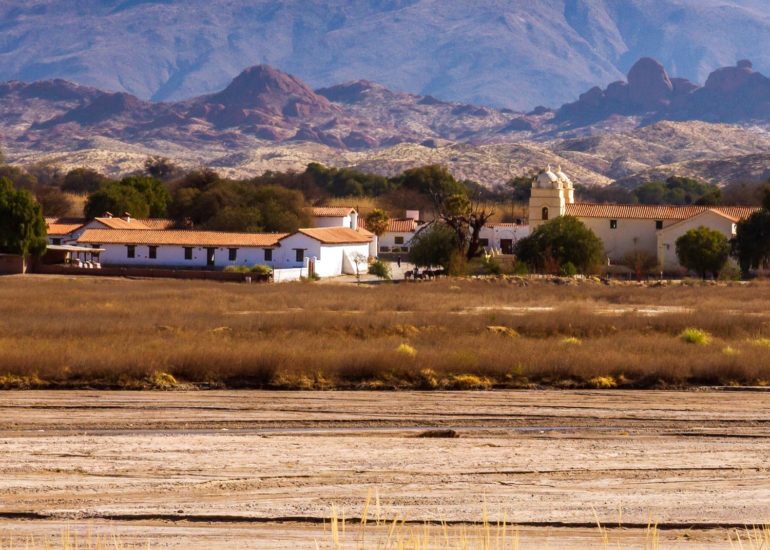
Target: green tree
18,177
160,168
22,226
53,201
83,180
433,246
377,221
751,244
117,199
703,250
560,241
154,192
678,190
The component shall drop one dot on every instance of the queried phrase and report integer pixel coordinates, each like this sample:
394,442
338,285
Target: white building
324,251
334,216
627,228
500,238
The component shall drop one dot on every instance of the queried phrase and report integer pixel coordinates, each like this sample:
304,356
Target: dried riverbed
263,469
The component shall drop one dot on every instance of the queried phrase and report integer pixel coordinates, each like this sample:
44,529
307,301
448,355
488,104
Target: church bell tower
551,193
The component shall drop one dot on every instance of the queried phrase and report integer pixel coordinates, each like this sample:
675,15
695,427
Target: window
399,240
613,224
300,252
188,253
96,246
153,255
56,242
545,214
130,251
268,254
232,254
484,242
659,224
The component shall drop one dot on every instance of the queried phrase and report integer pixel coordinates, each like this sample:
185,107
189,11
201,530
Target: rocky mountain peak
648,82
267,89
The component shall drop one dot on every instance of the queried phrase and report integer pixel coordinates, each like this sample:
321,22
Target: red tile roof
396,225
331,211
63,226
653,212
133,223
335,235
159,237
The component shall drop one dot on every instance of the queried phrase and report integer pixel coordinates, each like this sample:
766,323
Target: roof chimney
107,214
127,217
413,215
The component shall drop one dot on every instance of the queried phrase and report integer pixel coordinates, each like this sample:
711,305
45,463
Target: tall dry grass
467,334
377,529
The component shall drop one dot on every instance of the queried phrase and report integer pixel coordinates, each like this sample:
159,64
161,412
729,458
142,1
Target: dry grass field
452,334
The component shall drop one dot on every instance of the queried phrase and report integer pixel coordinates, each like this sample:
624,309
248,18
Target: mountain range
501,53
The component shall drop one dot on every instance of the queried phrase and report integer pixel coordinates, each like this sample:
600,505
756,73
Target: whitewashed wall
173,256
496,234
666,241
629,236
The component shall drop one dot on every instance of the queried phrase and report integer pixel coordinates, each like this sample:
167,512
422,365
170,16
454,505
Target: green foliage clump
695,336
204,200
561,241
140,196
703,250
678,190
433,246
377,221
380,269
22,226
83,180
751,245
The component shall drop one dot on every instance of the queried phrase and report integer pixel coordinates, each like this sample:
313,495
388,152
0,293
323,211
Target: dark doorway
506,245
210,255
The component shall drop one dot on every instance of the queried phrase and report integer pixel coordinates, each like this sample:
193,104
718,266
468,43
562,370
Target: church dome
547,179
563,177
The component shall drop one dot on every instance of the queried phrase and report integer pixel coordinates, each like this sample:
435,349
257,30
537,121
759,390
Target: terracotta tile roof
653,212
331,211
335,235
512,225
158,223
179,237
396,225
63,226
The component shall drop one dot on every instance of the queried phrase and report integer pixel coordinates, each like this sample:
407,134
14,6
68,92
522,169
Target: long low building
630,228
324,251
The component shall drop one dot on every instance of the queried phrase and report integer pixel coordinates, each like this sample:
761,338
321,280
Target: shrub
261,269
703,250
568,270
237,269
406,350
695,336
603,382
433,246
560,241
380,269
571,341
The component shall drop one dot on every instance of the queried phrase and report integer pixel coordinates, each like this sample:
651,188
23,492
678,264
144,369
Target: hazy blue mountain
506,53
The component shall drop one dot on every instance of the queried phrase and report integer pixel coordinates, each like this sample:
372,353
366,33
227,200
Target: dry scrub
75,332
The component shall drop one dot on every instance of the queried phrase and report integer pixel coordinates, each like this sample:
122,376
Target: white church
626,228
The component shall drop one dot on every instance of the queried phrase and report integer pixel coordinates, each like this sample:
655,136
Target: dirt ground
263,469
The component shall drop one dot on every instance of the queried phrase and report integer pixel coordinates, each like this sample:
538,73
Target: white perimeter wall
173,256
495,234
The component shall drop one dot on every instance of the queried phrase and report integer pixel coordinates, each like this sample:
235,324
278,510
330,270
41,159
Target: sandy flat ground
264,469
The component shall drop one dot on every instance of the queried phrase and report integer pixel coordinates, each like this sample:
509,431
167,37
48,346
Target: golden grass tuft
406,350
695,336
603,382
